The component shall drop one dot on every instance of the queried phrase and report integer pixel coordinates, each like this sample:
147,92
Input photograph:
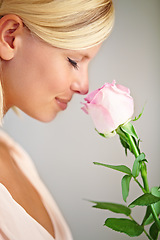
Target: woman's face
41,79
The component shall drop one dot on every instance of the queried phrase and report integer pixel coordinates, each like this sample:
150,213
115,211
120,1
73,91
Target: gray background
65,149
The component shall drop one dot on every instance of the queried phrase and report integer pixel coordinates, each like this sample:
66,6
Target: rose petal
101,118
123,89
85,108
90,96
109,106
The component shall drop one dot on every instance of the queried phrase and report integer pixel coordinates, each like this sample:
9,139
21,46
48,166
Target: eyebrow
81,54
85,55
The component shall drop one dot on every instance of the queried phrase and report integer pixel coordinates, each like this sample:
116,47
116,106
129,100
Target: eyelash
73,63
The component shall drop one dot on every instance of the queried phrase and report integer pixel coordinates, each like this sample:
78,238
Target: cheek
37,74
46,71
41,80
56,76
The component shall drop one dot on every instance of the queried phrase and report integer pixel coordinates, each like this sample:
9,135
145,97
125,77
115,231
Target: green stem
133,145
143,228
142,188
146,186
144,177
147,234
155,216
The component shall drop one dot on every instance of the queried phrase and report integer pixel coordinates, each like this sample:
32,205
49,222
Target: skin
38,78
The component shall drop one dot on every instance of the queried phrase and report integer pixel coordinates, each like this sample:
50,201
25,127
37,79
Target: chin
46,118
45,115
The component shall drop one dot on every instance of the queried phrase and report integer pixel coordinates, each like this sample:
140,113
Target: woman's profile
45,49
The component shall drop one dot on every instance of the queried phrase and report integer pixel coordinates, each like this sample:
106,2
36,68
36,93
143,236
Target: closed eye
73,63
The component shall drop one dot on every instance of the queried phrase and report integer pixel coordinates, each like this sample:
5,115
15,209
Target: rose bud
109,106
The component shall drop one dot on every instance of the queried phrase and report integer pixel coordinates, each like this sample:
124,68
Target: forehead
87,52
90,52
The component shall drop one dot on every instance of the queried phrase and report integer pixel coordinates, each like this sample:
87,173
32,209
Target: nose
80,85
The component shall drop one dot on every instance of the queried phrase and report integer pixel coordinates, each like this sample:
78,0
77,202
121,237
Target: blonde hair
68,24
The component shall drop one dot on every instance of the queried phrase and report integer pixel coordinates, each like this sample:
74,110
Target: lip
62,103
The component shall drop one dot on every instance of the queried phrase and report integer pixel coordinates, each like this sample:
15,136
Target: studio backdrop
64,150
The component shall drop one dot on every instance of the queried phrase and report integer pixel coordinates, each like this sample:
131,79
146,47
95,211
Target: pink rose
109,107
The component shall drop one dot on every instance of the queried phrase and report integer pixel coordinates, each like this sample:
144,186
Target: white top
15,222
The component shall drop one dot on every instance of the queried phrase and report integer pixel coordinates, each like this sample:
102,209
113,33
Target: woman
45,49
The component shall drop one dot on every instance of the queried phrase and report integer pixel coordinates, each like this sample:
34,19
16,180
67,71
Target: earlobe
10,28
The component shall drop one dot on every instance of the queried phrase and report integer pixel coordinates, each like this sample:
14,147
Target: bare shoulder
4,152
5,161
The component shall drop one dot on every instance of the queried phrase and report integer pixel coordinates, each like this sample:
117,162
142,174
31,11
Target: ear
11,27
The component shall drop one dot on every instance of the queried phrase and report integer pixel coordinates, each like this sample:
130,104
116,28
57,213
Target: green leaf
136,168
153,231
122,134
123,225
148,213
136,118
107,135
113,207
128,128
156,192
141,157
136,165
124,144
123,139
101,134
120,168
123,131
145,200
125,186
